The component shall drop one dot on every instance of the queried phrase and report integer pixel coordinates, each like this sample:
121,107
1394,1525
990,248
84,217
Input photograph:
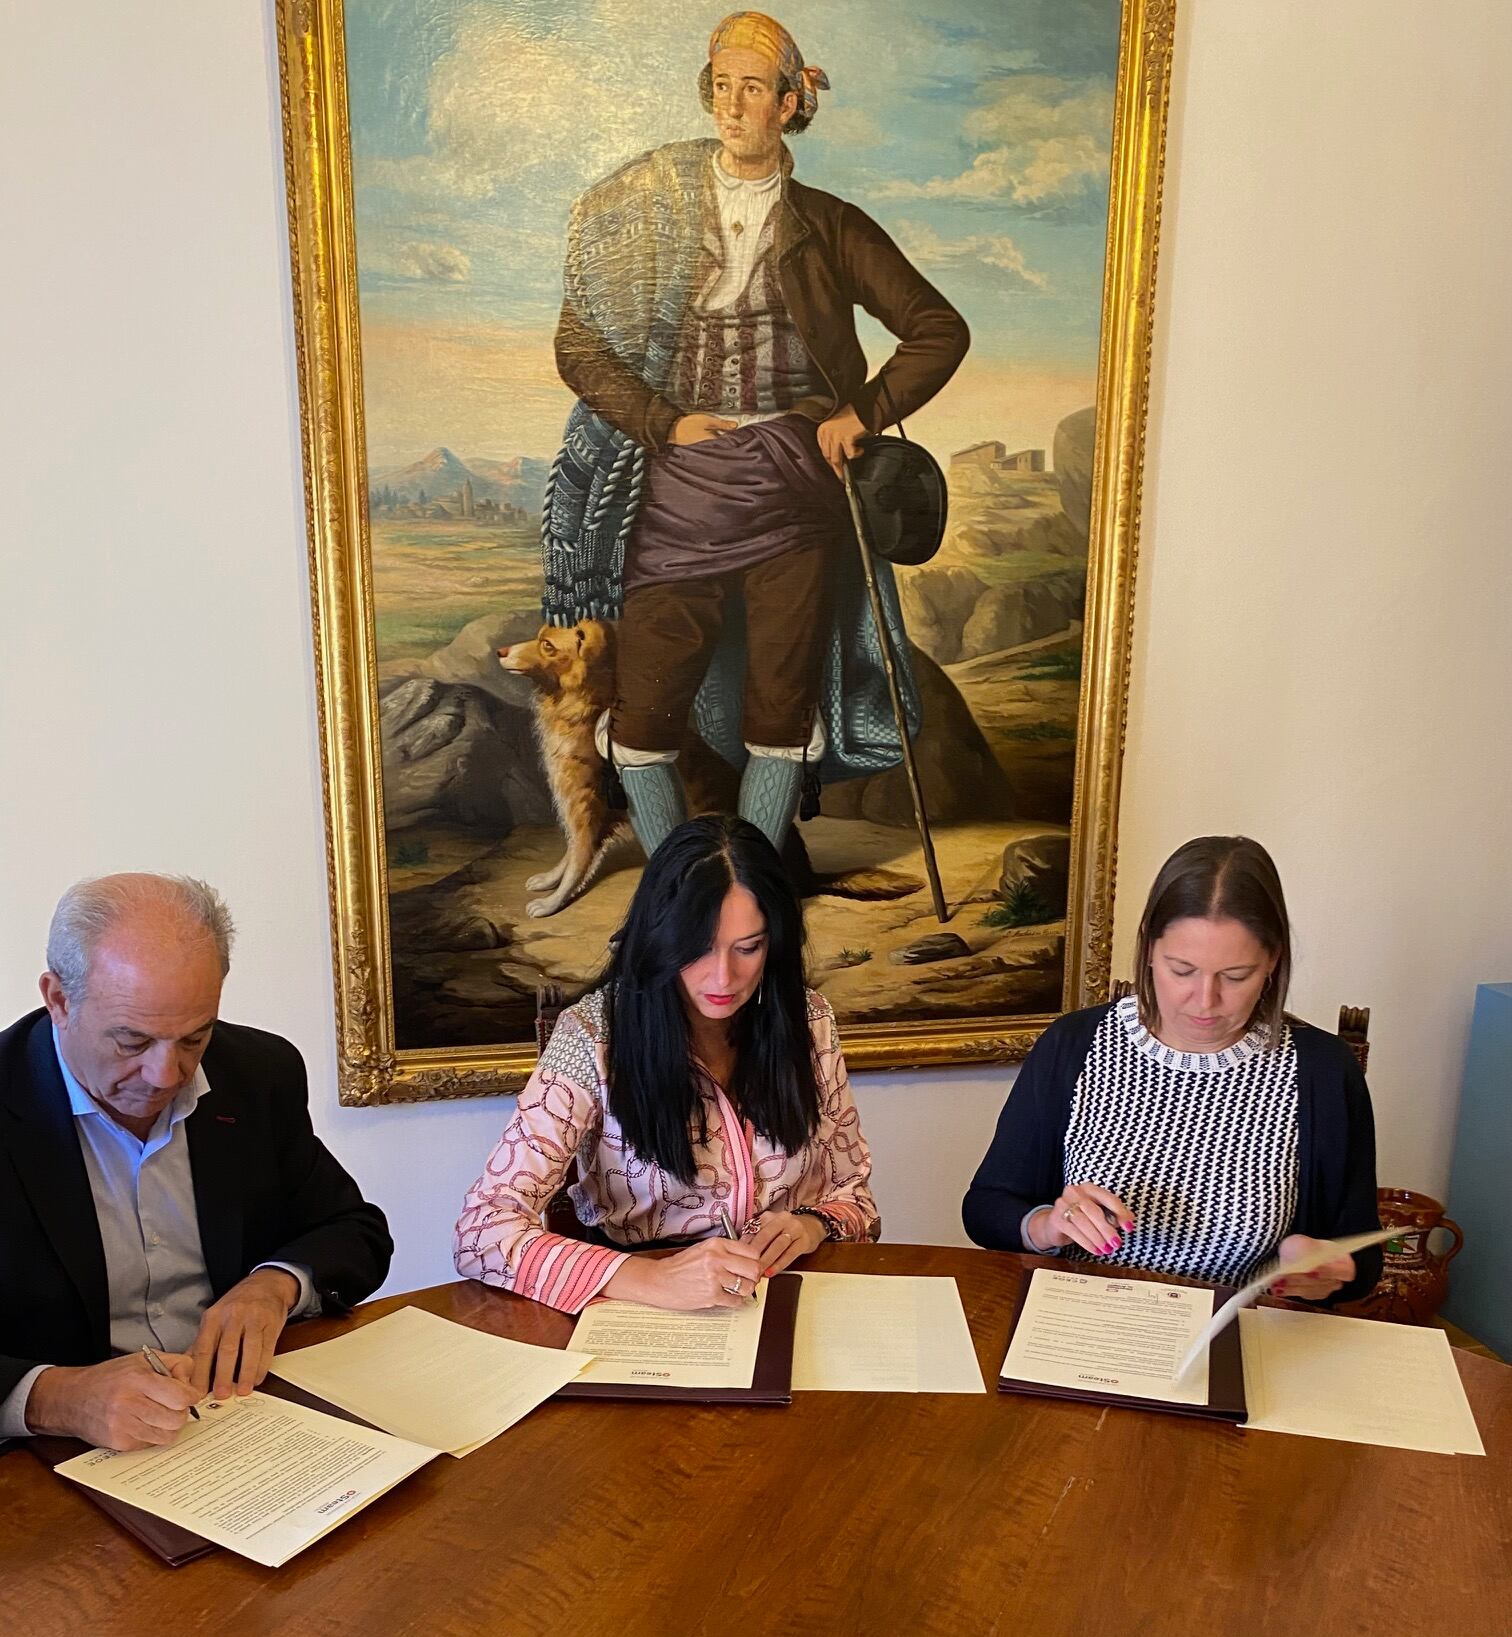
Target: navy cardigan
1336,1181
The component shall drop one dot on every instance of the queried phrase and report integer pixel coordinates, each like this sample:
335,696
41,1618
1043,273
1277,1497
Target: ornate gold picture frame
361,287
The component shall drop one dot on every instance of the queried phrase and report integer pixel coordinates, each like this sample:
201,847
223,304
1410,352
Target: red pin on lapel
226,1119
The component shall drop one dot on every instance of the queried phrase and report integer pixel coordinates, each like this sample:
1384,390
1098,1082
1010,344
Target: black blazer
265,1186
1336,1176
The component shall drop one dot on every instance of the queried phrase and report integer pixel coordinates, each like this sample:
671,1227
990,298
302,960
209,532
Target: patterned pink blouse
563,1112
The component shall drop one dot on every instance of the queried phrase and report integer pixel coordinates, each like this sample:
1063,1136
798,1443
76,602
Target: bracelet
828,1223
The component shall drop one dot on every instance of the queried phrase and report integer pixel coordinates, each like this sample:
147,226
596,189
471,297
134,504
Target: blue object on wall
1480,1283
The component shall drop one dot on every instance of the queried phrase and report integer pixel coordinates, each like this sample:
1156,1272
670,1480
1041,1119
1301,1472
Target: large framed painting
597,305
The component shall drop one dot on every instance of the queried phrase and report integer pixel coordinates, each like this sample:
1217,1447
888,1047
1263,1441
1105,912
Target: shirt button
156,1239
156,1310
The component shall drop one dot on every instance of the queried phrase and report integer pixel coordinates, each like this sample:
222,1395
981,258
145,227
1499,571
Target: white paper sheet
1323,1252
866,1333
1101,1335
641,1346
1321,1375
257,1475
430,1380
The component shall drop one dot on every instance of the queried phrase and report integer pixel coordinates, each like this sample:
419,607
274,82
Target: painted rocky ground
995,623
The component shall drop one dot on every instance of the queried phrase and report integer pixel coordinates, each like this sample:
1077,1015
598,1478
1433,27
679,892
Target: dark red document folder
1225,1400
772,1382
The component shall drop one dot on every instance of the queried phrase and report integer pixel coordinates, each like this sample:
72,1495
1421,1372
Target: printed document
654,1347
1101,1335
869,1333
257,1475
430,1380
1325,1376
1323,1252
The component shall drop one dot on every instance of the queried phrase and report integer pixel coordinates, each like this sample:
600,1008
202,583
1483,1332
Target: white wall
1322,631
1323,655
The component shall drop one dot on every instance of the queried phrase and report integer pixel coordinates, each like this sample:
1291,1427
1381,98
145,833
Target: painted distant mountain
519,481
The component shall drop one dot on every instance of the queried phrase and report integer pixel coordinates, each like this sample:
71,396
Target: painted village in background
995,624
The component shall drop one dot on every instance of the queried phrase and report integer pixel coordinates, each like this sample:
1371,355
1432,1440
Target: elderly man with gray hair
165,1205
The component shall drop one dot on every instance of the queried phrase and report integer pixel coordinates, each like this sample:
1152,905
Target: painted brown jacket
832,258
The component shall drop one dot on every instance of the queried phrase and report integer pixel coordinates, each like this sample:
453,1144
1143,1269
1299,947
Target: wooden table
840,1514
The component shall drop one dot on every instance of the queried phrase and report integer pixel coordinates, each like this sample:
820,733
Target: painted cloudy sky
975,131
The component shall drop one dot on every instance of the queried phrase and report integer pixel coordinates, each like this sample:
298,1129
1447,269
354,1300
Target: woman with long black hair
700,1081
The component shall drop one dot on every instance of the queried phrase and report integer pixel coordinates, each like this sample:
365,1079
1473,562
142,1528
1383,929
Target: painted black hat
901,491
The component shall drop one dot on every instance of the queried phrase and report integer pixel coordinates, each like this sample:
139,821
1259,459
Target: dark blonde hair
1219,878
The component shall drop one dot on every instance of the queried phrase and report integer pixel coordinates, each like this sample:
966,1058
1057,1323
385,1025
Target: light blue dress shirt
144,1201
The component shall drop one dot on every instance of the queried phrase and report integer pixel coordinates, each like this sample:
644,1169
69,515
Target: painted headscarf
755,31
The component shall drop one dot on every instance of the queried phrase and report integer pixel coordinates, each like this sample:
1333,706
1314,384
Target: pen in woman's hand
729,1233
159,1368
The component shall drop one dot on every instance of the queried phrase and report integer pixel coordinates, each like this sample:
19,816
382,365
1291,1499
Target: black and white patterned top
1201,1146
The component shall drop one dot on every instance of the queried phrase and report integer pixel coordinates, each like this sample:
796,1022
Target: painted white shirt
743,211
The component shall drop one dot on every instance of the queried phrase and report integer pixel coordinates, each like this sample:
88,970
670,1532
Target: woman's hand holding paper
1320,1282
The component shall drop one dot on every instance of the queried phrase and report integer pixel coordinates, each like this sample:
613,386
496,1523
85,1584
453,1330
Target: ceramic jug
1415,1277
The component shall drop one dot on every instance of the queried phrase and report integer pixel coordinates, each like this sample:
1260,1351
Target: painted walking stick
889,666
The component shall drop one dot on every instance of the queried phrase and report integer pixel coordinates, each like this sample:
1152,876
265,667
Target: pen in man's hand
159,1368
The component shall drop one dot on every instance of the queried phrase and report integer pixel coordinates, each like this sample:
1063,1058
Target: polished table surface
843,1513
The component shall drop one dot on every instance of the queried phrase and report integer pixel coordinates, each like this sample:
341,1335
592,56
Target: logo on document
334,1502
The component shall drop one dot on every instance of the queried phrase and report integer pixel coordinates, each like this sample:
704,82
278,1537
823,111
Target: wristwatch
828,1223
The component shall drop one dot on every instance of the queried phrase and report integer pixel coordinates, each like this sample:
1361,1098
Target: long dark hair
671,924
1219,878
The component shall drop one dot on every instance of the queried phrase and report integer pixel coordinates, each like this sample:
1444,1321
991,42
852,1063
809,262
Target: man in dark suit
161,1187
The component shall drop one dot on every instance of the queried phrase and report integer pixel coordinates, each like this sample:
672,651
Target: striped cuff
565,1273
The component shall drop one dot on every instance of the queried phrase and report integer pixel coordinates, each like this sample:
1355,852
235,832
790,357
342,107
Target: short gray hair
90,908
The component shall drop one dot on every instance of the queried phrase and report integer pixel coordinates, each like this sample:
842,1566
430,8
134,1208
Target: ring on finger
1069,1212
734,1289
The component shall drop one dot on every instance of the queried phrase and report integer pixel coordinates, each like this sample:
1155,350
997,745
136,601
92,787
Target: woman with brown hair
1190,1128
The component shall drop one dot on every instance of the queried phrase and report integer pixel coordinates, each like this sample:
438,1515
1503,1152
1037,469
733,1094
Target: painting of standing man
708,333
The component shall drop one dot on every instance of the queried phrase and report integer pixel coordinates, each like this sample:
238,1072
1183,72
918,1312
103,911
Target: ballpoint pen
729,1233
159,1368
